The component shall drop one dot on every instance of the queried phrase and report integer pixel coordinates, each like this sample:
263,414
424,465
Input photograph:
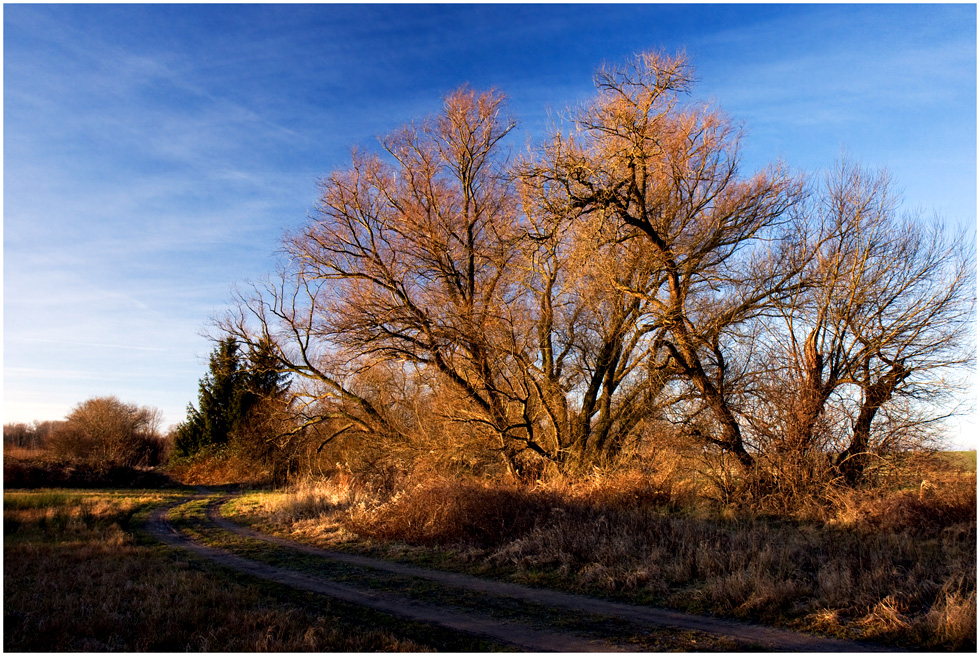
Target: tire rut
516,635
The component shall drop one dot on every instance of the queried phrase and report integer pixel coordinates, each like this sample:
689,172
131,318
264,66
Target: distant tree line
623,288
34,435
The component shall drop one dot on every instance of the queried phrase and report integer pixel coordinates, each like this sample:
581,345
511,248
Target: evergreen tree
262,377
230,389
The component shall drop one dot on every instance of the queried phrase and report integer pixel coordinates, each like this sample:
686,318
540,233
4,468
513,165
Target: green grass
965,460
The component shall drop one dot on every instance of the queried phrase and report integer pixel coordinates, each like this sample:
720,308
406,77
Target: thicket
102,443
896,563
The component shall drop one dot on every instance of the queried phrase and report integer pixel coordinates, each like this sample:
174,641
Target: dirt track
518,635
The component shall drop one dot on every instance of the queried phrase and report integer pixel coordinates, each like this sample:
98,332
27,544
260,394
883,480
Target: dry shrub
865,563
106,431
440,511
218,466
926,511
433,509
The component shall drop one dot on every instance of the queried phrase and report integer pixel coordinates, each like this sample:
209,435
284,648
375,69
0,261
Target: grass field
892,564
966,460
899,568
80,576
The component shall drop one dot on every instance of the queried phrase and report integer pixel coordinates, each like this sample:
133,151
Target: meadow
80,575
894,565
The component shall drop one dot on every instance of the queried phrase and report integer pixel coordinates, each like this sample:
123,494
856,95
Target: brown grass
76,579
891,565
11,452
218,467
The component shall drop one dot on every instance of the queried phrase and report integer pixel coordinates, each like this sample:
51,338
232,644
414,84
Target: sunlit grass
966,460
897,566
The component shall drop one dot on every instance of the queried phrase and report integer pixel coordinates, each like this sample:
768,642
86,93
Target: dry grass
897,566
76,579
11,452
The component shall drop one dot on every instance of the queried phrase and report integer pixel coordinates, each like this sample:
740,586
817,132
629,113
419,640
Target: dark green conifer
230,389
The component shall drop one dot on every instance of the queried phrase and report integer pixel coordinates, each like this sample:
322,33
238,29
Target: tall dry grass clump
431,509
443,511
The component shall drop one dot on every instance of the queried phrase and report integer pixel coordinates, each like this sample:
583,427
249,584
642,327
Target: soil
718,634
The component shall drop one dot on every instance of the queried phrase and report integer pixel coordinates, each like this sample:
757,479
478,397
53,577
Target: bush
105,431
440,511
41,472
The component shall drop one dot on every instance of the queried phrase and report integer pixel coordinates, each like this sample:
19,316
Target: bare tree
625,275
104,430
19,434
888,308
668,175
432,259
590,353
409,259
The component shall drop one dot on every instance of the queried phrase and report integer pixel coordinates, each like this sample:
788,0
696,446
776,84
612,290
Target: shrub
440,511
105,431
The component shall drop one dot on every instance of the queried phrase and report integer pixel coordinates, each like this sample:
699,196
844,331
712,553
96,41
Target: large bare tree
668,175
433,256
591,352
625,274
409,258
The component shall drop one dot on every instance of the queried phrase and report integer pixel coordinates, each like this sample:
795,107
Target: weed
895,565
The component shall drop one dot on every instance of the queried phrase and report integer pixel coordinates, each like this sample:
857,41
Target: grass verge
190,519
898,567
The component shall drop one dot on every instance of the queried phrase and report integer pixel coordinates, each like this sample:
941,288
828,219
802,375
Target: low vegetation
78,576
892,565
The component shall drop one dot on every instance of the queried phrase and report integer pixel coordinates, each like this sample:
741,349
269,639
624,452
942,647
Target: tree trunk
731,433
814,394
852,462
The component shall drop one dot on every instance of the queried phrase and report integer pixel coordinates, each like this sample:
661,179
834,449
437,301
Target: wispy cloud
69,342
154,154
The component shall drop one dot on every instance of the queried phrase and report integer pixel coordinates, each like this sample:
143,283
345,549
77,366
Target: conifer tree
230,389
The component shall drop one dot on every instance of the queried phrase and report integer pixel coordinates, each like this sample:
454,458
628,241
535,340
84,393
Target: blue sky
155,154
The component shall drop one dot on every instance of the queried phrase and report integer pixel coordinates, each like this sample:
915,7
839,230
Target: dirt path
521,636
